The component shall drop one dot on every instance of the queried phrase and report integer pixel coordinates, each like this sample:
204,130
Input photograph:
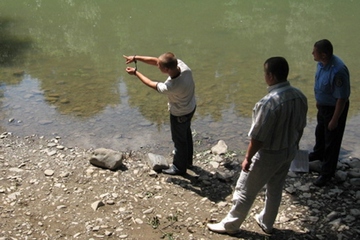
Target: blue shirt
331,82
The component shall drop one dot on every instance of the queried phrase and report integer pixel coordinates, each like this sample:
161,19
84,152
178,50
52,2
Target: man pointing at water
180,90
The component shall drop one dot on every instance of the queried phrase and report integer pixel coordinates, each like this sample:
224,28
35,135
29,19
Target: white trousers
268,168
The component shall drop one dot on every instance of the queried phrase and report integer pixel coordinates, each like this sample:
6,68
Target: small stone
64,174
214,164
335,223
307,195
290,190
355,182
292,174
331,216
354,174
355,212
357,195
224,176
340,176
305,187
13,196
60,147
219,148
18,170
222,204
52,144
139,221
353,162
153,173
51,153
147,211
96,228
313,219
156,162
99,235
49,172
77,235
96,205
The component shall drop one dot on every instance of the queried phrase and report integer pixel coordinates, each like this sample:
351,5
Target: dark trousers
328,143
183,142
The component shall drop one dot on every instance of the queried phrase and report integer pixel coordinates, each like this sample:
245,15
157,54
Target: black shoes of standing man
172,171
322,180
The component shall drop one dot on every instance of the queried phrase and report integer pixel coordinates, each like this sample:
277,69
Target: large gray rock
355,182
354,173
357,195
341,176
157,162
107,158
352,162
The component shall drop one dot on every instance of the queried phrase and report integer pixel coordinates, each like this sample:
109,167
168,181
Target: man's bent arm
339,108
253,147
146,80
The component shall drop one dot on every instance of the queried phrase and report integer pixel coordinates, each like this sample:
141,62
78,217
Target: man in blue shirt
332,91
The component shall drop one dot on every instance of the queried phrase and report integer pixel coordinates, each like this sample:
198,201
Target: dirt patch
50,191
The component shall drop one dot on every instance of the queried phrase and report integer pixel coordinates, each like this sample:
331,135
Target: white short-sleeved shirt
280,117
180,91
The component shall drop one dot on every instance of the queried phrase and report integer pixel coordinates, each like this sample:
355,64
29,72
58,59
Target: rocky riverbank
49,190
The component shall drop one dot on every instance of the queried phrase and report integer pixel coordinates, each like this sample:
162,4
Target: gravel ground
50,191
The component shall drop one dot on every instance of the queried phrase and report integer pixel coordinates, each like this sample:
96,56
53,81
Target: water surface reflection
67,74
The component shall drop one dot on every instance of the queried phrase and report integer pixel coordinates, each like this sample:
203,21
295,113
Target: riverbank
50,191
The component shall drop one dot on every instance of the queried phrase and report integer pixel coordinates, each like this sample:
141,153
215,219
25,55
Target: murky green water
62,71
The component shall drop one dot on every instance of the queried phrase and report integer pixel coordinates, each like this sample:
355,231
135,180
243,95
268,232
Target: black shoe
322,180
172,171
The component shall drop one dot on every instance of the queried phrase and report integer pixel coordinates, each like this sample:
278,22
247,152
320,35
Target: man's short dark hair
279,67
324,46
168,60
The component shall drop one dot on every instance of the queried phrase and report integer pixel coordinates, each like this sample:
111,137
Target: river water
62,70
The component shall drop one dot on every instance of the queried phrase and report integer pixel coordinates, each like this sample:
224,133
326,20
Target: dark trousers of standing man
328,143
183,142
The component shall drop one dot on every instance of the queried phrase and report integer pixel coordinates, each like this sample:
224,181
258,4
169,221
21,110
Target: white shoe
219,228
262,226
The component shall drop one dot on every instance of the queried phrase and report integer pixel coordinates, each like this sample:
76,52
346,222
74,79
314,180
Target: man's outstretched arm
145,59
